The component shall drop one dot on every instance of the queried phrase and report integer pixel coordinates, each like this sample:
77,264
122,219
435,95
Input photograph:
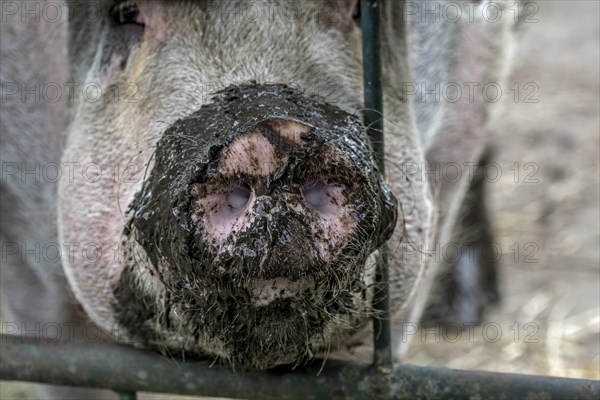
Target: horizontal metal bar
126,369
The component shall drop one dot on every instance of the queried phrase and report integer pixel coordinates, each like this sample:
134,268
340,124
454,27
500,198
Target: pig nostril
238,197
314,192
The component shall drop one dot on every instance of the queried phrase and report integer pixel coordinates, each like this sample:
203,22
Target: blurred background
546,218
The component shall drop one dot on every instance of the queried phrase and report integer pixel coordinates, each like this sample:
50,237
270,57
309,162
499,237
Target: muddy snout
263,183
264,194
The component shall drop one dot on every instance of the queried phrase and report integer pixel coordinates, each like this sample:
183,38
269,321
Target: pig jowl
255,236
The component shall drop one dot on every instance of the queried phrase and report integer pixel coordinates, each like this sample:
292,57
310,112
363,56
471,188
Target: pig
218,194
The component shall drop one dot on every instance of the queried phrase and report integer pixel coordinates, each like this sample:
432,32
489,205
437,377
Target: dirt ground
546,217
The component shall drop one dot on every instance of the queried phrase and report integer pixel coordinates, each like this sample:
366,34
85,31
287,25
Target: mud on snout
255,235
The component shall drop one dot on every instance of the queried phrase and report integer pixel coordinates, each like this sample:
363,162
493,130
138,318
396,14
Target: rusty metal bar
126,369
373,118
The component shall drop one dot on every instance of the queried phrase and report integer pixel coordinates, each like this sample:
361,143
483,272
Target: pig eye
238,197
126,12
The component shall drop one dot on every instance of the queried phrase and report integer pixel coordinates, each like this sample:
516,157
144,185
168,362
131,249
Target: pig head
250,219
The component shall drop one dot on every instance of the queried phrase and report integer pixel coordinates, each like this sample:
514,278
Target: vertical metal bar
371,45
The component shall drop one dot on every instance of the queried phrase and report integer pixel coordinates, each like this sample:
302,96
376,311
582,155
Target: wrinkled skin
204,300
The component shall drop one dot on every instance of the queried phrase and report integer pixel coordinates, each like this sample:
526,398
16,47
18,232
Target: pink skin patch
224,212
289,129
323,198
328,201
225,207
251,154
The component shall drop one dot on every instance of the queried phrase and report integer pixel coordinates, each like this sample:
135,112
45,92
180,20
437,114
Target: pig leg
454,133
467,281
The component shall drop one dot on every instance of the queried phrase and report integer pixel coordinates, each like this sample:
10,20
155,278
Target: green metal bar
126,369
373,114
371,47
